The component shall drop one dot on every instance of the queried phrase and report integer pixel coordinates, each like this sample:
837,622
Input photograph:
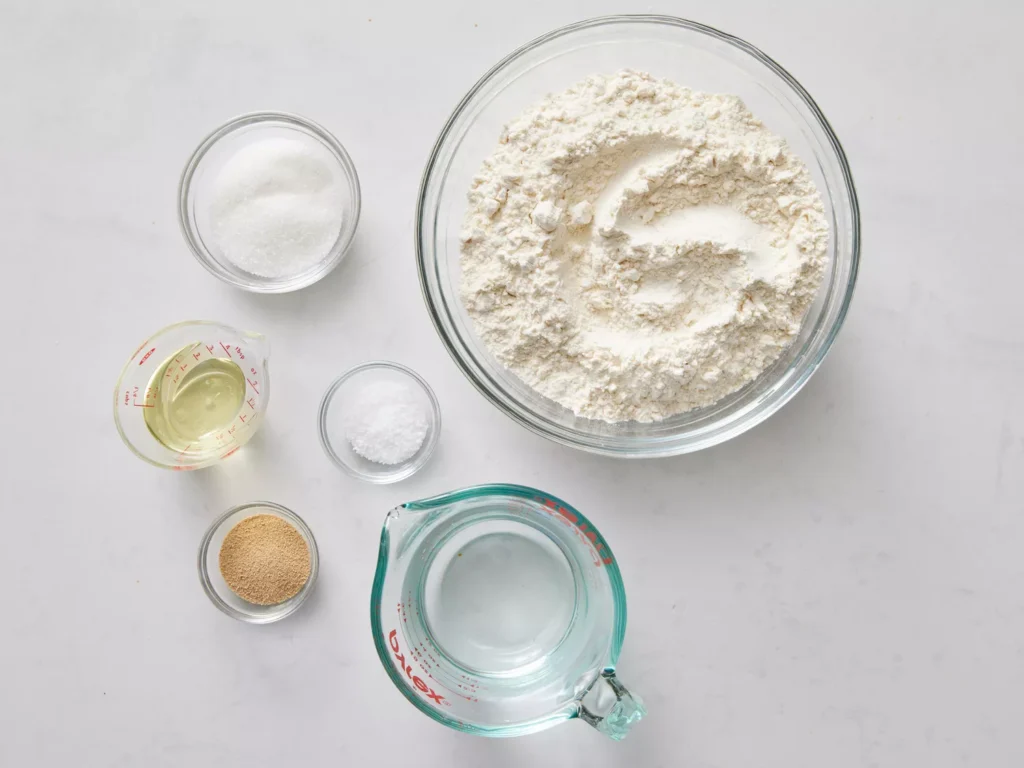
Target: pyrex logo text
407,668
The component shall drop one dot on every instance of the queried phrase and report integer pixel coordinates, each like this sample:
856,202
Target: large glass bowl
694,56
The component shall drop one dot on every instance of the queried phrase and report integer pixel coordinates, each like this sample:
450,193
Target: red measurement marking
135,402
197,355
145,357
224,348
416,680
209,348
253,385
250,403
241,355
585,536
229,453
182,452
241,417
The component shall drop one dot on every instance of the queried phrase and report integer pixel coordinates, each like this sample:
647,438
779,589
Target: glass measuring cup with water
499,610
192,394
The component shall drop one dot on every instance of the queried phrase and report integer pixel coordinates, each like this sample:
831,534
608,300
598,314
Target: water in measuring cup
499,597
193,402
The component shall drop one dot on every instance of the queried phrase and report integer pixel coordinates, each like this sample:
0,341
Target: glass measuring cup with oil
192,394
499,610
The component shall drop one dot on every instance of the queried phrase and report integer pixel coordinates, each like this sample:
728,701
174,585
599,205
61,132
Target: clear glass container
209,158
191,343
694,56
499,610
332,417
220,593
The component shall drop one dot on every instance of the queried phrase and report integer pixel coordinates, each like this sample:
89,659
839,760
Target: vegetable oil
197,396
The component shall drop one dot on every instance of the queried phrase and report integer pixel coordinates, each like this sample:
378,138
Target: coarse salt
386,422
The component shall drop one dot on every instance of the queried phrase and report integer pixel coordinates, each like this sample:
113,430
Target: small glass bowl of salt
269,202
379,422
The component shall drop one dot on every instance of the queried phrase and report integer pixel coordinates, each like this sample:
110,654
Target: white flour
634,249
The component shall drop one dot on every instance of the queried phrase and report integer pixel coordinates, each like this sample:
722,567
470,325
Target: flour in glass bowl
633,249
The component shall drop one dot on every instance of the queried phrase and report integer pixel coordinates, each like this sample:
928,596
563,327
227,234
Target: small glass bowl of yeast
216,586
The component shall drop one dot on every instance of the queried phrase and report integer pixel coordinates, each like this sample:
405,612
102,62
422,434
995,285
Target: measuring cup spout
260,343
610,708
402,527
405,523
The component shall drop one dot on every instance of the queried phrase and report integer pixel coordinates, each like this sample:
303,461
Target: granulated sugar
276,208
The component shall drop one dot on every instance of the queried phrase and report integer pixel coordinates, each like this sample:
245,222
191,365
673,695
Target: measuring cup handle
613,717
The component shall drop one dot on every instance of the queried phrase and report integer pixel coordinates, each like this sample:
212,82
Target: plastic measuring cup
180,348
499,610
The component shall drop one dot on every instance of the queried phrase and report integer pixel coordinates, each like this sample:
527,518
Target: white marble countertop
843,586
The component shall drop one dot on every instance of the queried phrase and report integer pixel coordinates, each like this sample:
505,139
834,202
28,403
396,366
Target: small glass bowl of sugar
269,202
379,422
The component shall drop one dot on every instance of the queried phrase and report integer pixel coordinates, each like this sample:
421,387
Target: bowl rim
401,471
658,449
257,284
293,603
